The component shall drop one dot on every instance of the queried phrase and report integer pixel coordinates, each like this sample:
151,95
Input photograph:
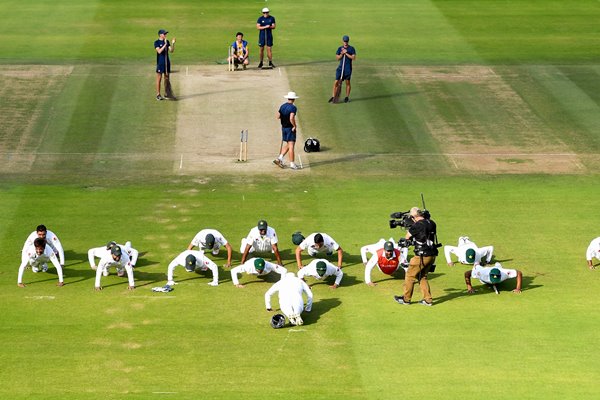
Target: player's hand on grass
239,286
98,288
372,284
269,309
516,290
334,286
20,284
60,284
471,291
227,265
130,287
451,264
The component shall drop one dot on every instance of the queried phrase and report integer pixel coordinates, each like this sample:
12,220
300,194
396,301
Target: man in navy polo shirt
345,54
287,115
163,64
265,25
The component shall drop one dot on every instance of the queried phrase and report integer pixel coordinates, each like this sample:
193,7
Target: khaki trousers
418,268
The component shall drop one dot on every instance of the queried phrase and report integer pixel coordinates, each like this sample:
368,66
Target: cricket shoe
44,267
260,65
105,272
244,67
159,97
331,99
423,302
346,99
120,272
271,64
35,270
400,300
294,166
279,163
215,252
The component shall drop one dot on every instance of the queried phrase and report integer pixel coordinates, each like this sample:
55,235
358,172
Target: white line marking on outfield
40,297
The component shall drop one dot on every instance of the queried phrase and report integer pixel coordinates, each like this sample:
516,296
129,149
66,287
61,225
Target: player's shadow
384,96
484,289
141,279
318,309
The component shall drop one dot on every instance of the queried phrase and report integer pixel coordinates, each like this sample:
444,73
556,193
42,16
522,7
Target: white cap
291,95
266,9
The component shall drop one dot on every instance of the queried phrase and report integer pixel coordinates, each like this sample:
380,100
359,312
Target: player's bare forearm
340,257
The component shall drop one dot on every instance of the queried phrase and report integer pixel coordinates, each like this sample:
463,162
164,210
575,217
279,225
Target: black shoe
425,303
244,67
346,99
330,100
400,300
260,65
159,97
271,64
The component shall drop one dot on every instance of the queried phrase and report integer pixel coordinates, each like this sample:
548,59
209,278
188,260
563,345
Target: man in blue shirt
163,64
265,25
345,54
287,115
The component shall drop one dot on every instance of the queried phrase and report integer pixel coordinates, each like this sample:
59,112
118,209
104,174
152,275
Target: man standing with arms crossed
265,25
287,114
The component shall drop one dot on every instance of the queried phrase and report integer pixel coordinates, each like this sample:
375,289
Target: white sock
280,157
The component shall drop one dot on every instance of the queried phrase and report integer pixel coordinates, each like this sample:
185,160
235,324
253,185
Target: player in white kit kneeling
291,302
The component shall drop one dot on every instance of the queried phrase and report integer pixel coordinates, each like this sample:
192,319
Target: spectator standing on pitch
291,302
287,115
468,252
192,259
593,251
51,240
213,240
255,266
423,234
265,25
163,64
239,51
316,243
345,54
261,239
37,256
492,276
321,269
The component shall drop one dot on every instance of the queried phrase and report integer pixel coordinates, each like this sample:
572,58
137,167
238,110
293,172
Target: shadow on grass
351,157
504,287
383,96
320,308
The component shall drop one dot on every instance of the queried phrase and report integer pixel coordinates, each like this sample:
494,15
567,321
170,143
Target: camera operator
423,234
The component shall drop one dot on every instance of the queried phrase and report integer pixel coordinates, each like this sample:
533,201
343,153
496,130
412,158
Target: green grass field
490,108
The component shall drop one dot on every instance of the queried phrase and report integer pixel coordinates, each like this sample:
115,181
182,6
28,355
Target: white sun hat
291,95
265,10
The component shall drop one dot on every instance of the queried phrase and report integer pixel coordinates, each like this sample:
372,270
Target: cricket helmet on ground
495,276
209,241
388,246
277,321
297,238
259,264
312,145
321,268
190,263
470,255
